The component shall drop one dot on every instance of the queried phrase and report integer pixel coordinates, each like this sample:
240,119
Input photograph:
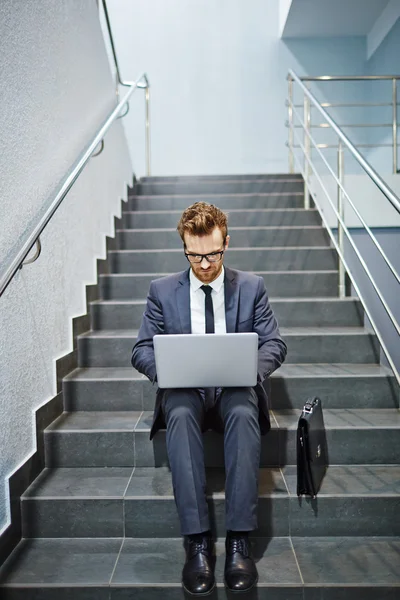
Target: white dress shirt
197,303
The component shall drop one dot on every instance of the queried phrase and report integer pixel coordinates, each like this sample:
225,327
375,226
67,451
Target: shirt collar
216,285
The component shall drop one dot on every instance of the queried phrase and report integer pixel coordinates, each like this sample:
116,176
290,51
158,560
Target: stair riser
131,220
275,259
148,518
219,187
278,448
240,238
224,202
216,178
289,314
339,392
116,352
279,285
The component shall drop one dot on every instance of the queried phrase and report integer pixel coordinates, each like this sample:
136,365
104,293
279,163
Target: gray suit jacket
246,309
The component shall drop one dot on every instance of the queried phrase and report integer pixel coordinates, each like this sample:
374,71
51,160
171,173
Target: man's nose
204,263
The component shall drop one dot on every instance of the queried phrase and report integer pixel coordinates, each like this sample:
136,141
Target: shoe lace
238,544
197,546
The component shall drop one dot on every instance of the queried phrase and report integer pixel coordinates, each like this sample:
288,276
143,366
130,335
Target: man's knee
239,403
181,405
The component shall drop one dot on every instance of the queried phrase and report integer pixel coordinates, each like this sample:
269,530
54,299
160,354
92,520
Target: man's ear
228,237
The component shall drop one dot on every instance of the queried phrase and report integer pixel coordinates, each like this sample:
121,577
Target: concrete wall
218,75
56,90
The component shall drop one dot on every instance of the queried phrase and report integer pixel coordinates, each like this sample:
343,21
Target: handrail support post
290,123
148,170
340,201
307,147
394,124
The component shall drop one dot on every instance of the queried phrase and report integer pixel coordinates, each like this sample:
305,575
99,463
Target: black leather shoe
198,572
240,570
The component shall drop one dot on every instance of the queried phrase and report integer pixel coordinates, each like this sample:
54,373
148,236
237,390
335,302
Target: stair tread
231,210
140,421
214,194
163,274
231,249
319,300
285,331
285,371
156,482
247,228
138,562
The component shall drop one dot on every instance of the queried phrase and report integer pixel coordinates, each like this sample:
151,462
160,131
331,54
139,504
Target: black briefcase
312,451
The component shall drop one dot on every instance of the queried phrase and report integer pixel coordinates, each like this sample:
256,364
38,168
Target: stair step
290,568
256,237
280,284
247,259
228,186
223,201
139,502
236,217
290,312
338,385
113,348
203,178
121,439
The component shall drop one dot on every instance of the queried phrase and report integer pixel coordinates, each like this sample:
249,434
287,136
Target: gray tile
346,418
96,421
149,561
61,562
89,449
144,561
157,517
154,454
55,591
86,483
344,560
376,480
336,592
157,482
90,518
348,516
275,561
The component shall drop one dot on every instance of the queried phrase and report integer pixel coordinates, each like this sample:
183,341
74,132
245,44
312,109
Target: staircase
100,522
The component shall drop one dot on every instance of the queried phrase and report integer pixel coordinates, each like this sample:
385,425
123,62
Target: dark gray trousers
184,412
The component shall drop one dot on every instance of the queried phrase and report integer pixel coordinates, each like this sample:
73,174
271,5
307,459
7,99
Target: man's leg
184,414
238,408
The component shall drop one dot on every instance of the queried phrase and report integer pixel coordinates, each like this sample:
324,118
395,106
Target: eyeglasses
211,258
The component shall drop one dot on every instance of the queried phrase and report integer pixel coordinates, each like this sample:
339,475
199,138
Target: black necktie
209,310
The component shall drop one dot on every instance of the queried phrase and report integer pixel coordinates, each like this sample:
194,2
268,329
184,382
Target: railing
34,238
306,167
307,115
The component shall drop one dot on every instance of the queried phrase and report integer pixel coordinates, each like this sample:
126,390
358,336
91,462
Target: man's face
206,244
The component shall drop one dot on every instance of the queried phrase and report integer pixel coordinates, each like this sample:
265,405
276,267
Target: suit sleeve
152,324
272,349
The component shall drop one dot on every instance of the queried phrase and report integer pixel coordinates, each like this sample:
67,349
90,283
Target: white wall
56,89
218,74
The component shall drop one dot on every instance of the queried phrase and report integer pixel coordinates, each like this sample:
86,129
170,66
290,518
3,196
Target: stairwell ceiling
332,18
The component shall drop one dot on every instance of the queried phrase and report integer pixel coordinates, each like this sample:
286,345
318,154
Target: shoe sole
202,595
241,591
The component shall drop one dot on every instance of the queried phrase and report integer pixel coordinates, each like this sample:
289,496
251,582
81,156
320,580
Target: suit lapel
231,300
183,302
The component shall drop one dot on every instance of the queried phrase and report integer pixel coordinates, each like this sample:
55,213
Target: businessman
211,298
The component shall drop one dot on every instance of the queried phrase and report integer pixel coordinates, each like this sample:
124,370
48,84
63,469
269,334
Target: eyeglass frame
204,256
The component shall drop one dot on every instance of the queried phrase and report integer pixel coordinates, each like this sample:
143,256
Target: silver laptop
206,360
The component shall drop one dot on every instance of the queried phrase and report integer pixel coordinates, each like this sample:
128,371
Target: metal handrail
347,77
394,104
310,100
385,189
34,239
